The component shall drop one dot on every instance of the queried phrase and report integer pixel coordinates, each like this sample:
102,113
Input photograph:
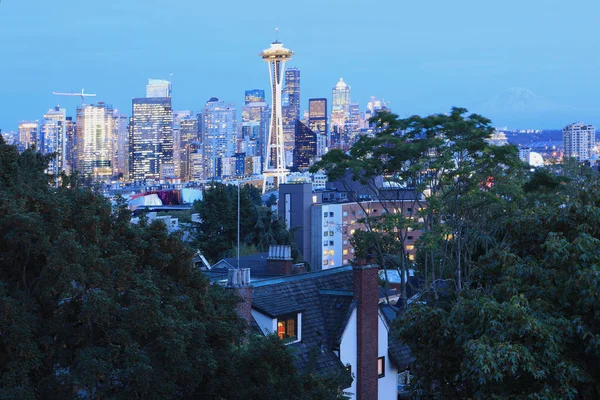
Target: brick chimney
366,295
239,280
280,261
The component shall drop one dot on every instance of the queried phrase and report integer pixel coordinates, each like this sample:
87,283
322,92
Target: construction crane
83,95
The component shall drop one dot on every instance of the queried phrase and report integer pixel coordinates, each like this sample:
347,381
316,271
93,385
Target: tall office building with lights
94,143
28,134
340,114
219,134
121,137
151,139
275,171
158,88
290,107
305,148
53,139
579,140
255,124
317,122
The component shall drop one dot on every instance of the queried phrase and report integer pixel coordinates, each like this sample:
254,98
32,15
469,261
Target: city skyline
428,67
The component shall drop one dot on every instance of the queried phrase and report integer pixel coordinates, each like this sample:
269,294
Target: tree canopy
510,304
217,233
93,307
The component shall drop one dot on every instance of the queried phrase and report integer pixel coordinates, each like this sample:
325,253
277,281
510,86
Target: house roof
399,352
323,298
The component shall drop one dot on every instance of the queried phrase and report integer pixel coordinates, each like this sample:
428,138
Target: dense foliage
510,308
93,307
217,234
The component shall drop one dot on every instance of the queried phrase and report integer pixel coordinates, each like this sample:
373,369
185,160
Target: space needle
275,166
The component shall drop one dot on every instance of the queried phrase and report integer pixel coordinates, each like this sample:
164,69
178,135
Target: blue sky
422,56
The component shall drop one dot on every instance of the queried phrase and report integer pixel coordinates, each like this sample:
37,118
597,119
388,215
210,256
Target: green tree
527,325
217,233
94,307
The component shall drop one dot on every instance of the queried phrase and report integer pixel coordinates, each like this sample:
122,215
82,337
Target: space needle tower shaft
275,166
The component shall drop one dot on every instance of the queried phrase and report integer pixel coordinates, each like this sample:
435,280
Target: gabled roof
399,352
317,295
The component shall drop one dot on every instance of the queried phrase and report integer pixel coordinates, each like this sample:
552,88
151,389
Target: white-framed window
381,367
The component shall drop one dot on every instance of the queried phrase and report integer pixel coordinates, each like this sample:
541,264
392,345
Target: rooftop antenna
276,35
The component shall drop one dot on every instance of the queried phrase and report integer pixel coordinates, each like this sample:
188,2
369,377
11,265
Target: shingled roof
324,298
399,352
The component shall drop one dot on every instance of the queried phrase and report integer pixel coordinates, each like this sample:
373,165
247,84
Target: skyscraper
151,139
255,127
28,134
219,133
71,139
305,148
579,140
121,136
188,134
94,142
340,114
275,165
290,107
254,96
53,139
317,122
158,88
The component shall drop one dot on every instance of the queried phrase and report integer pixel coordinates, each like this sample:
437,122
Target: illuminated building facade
53,138
579,140
151,139
94,142
275,171
317,122
290,107
305,148
28,134
121,135
255,127
188,134
219,134
158,88
254,96
340,114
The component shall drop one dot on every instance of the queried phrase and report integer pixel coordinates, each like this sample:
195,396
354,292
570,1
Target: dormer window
287,326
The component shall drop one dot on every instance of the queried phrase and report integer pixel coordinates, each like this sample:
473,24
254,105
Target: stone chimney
366,295
280,260
239,280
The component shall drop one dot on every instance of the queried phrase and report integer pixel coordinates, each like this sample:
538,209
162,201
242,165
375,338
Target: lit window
410,247
331,262
353,221
345,242
411,257
352,231
345,213
314,199
331,252
330,233
345,262
345,252
325,252
352,250
381,367
287,326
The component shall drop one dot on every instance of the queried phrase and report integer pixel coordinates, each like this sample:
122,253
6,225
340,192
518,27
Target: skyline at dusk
421,58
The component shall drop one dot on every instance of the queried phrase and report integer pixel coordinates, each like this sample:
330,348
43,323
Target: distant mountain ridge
521,108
